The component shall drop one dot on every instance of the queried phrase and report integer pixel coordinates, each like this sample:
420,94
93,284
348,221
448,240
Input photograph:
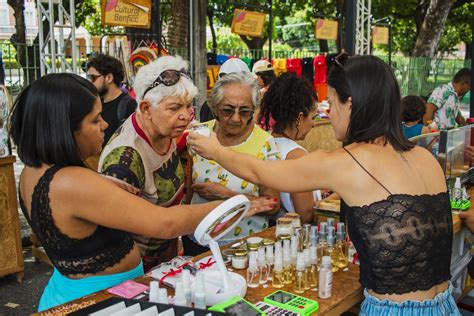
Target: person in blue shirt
413,110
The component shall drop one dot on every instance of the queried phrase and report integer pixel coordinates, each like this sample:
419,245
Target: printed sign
326,29
130,13
248,23
380,35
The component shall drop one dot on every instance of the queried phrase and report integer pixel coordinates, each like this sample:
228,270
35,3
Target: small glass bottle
295,219
325,278
269,256
300,274
331,250
284,226
253,273
341,244
306,235
239,259
322,245
313,236
287,268
313,272
307,270
278,276
262,266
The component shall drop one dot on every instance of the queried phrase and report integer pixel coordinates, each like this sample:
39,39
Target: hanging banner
380,35
248,23
326,29
129,13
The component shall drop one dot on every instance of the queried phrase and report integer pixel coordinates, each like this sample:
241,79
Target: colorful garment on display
130,158
320,69
142,56
448,104
294,65
279,64
259,144
220,59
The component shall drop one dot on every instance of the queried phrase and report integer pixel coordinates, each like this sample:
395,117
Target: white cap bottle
325,278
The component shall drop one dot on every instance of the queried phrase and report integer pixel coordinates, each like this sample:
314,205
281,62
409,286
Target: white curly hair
147,74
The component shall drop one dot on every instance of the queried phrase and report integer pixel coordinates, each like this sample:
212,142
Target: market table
346,292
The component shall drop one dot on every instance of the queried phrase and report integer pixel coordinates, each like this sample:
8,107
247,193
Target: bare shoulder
296,153
71,180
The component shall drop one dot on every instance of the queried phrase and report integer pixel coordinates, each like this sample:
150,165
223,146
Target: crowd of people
104,184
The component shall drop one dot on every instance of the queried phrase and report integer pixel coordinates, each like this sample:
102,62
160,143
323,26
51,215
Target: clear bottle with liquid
253,272
278,275
456,196
322,244
341,243
313,272
331,250
299,285
270,259
307,270
262,266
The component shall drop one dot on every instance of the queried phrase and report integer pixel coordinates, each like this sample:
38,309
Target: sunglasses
243,113
92,77
341,59
168,78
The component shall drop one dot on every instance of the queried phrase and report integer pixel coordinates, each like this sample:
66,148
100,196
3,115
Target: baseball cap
233,65
262,65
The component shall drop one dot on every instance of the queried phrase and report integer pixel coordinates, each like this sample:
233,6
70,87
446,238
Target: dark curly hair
106,64
287,96
267,76
413,108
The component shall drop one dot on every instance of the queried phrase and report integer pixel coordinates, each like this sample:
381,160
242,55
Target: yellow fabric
279,64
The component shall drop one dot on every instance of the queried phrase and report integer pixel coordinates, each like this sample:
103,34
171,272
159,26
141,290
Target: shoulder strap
367,171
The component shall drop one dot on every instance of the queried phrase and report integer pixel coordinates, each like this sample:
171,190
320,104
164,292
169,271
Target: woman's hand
206,147
261,205
212,191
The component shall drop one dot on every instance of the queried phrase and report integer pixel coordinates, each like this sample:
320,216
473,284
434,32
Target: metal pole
389,43
191,36
73,35
351,15
471,105
158,22
270,29
51,36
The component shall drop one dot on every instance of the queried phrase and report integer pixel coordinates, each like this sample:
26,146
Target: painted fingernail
275,200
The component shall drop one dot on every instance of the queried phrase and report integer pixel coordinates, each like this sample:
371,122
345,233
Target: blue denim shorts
442,304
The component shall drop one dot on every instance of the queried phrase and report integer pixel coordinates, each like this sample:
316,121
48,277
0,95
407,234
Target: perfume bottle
269,258
278,276
341,244
331,250
307,269
313,236
322,244
313,272
325,278
262,266
300,274
253,273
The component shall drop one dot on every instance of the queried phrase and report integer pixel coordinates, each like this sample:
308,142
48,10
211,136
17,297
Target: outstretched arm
310,172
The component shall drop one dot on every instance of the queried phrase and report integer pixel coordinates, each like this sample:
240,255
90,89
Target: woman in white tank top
291,102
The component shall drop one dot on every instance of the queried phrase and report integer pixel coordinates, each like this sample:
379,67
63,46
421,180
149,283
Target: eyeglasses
341,59
229,111
92,77
168,78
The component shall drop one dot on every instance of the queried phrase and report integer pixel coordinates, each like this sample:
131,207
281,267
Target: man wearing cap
230,66
263,69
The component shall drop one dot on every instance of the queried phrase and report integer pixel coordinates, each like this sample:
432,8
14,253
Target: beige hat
262,65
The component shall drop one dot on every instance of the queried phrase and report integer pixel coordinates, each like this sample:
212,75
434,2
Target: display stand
11,259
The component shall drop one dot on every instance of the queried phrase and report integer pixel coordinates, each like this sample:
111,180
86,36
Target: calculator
271,310
236,306
292,302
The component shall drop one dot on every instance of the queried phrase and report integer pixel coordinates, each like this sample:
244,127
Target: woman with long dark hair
398,215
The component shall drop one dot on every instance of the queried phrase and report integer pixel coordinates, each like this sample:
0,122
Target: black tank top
404,242
102,249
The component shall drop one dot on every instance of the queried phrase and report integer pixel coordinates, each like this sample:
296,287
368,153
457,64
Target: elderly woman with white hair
234,99
143,153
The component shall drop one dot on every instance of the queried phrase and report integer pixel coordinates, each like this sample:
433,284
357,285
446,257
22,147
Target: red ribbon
356,257
207,264
170,274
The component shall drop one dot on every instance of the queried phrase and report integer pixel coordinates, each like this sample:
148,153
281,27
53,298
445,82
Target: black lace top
404,242
102,249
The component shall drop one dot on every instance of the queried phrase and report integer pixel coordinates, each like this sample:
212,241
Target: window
4,13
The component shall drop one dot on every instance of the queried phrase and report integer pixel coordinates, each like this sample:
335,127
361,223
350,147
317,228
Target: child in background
413,110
